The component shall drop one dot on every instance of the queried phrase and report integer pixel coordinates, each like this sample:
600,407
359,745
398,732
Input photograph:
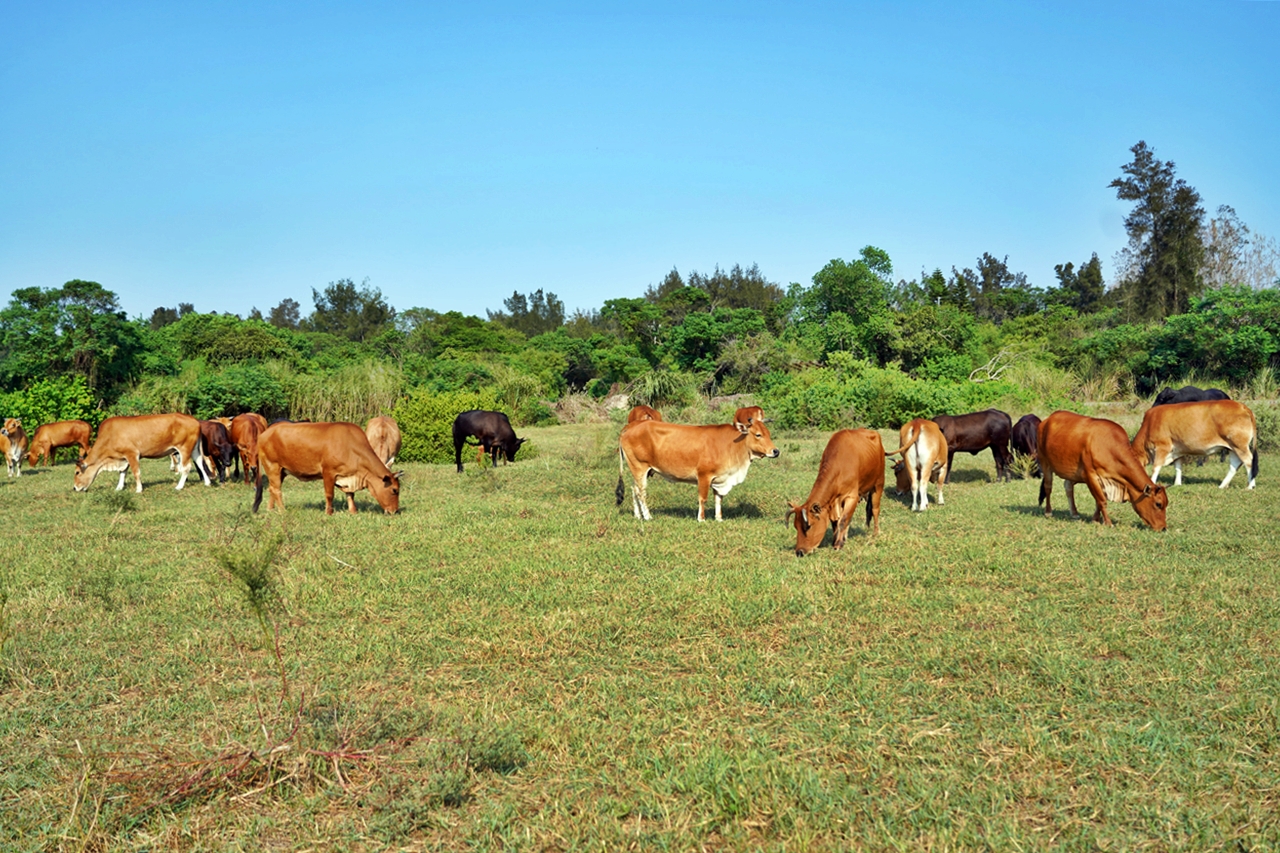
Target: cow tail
915,434
1253,469
620,492
257,493
1043,493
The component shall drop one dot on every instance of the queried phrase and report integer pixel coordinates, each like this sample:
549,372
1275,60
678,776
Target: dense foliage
851,346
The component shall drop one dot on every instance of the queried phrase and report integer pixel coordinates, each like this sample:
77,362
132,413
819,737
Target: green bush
58,398
426,423
236,389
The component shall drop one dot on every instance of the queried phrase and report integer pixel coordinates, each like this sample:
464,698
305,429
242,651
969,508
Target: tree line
1191,293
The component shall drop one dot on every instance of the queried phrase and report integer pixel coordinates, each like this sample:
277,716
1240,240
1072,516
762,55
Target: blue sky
232,155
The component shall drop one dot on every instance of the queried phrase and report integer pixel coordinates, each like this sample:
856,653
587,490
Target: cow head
756,434
11,426
811,523
900,474
84,477
1152,503
511,445
386,491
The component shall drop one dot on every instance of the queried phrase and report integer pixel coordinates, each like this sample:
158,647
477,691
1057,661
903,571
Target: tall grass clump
352,393
252,572
665,388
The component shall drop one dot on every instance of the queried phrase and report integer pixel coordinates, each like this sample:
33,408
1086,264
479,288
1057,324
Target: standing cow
122,441
1096,452
1174,431
924,450
1188,394
852,469
975,432
17,440
50,438
216,445
244,430
336,453
493,434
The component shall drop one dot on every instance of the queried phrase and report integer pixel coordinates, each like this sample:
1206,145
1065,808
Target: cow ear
1146,491
520,441
816,509
742,428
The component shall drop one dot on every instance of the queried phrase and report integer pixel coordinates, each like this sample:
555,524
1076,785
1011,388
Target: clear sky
235,154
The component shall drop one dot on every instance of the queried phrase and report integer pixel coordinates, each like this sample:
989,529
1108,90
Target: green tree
1079,289
1166,242
531,315
286,315
860,291
355,313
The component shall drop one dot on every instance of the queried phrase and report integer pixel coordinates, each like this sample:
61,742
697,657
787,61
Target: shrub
58,398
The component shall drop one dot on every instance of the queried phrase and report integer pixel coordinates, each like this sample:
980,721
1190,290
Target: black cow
492,432
1188,394
1022,440
216,444
976,432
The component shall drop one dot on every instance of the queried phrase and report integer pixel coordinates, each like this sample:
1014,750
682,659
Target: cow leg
942,475
183,468
351,502
120,485
873,511
201,462
704,488
1070,489
1236,462
951,454
1046,489
1177,471
329,481
639,494
1100,496
137,474
844,514
457,454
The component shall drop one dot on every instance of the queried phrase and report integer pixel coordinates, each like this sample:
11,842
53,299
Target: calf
924,450
1174,431
384,437
492,432
975,432
244,431
216,444
16,438
337,453
1096,452
852,469
50,438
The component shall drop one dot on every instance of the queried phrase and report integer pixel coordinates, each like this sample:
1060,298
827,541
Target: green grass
514,662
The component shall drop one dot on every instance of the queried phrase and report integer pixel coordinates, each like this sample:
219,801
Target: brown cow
122,441
1173,431
924,450
1096,452
643,413
50,438
244,431
384,437
852,469
715,456
337,453
17,441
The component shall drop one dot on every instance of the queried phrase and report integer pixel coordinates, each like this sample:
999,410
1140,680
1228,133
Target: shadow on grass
972,475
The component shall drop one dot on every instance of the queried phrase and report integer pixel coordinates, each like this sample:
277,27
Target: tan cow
17,440
642,412
244,431
122,441
1174,431
924,451
337,453
1096,452
852,469
384,437
50,438
715,456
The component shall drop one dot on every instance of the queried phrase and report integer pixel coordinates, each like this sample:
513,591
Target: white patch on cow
349,484
725,482
1115,491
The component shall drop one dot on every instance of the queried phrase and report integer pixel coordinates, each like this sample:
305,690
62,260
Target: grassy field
514,662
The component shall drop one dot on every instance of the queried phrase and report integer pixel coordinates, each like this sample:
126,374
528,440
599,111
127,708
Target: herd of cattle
1181,423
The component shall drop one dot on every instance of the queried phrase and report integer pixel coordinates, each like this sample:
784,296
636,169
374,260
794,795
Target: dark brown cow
16,439
1096,452
975,432
643,413
51,438
924,451
1174,431
493,434
852,469
244,431
216,444
384,437
337,453
122,441
715,456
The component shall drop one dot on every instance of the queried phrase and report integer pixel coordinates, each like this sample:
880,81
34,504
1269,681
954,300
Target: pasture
514,662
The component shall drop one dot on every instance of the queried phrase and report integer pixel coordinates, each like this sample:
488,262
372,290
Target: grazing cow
1022,441
1176,430
643,413
50,438
924,450
1188,394
17,441
384,437
1096,452
975,432
244,431
216,444
122,441
491,430
715,456
852,469
337,453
